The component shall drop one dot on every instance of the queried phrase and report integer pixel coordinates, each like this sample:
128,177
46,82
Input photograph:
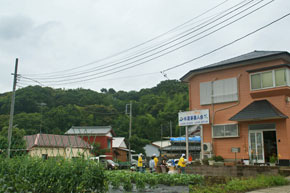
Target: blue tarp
196,138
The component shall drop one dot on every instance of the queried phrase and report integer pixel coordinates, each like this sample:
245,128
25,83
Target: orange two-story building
248,98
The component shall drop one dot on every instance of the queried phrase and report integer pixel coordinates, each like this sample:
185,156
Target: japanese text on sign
196,117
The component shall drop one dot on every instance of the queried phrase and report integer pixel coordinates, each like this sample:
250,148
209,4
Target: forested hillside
56,110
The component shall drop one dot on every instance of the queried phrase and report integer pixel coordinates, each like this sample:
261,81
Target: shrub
26,174
218,158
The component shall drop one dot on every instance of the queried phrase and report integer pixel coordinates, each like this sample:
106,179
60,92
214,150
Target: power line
162,50
226,45
143,43
136,56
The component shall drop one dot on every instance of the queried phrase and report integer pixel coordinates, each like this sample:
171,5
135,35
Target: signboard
235,149
196,117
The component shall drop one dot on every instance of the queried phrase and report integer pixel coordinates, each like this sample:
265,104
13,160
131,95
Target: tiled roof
50,140
83,130
258,110
249,57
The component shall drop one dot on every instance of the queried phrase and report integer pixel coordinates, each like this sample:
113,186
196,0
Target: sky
125,45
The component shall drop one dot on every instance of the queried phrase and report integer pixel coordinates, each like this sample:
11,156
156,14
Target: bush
218,158
26,174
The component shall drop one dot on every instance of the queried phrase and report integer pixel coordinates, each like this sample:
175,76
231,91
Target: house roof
245,59
119,142
258,110
162,144
50,140
90,130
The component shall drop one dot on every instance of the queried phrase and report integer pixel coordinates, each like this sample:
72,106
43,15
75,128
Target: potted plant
218,160
211,161
273,160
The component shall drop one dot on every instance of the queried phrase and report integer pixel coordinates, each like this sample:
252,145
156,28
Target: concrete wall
232,171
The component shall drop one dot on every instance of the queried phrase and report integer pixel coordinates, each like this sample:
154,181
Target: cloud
13,27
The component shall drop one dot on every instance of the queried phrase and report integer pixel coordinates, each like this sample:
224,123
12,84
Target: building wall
62,152
276,97
121,155
151,149
102,140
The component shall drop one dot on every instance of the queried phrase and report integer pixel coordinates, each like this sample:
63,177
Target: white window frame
224,136
273,78
213,95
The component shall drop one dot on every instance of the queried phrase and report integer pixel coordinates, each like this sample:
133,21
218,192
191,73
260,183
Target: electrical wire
228,44
181,35
141,44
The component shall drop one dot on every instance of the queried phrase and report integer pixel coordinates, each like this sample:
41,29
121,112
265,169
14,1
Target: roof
245,59
162,144
119,142
258,110
90,130
50,140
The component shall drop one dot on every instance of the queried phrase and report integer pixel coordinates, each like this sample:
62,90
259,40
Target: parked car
111,165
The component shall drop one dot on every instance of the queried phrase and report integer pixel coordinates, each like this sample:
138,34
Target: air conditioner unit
207,147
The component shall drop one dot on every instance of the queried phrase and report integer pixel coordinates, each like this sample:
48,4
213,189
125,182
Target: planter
272,164
210,162
218,163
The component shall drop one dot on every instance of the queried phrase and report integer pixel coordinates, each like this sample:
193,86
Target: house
248,98
99,135
155,147
120,150
49,145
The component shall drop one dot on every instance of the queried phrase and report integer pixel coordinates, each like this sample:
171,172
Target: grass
241,185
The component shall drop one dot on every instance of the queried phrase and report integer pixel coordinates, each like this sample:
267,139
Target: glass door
256,147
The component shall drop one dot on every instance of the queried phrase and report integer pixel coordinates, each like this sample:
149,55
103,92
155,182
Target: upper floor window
269,79
219,91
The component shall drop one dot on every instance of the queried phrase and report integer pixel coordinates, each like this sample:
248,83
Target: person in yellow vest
155,161
181,164
140,163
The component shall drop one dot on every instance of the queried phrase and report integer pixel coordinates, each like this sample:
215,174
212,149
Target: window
223,131
44,156
109,143
225,90
269,79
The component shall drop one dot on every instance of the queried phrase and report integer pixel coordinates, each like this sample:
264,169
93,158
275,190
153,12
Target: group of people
154,162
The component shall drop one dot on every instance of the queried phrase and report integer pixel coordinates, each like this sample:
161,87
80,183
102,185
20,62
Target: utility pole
12,108
170,125
161,139
41,109
130,127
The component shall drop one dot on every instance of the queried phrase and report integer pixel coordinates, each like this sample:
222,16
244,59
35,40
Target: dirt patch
158,189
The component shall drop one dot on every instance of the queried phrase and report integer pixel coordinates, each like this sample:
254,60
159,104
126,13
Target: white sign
196,117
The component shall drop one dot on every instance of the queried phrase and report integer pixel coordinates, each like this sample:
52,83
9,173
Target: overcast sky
58,35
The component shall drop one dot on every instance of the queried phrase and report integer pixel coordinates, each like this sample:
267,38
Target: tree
18,145
138,144
97,151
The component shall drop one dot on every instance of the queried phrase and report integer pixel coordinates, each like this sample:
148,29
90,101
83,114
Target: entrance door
256,147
